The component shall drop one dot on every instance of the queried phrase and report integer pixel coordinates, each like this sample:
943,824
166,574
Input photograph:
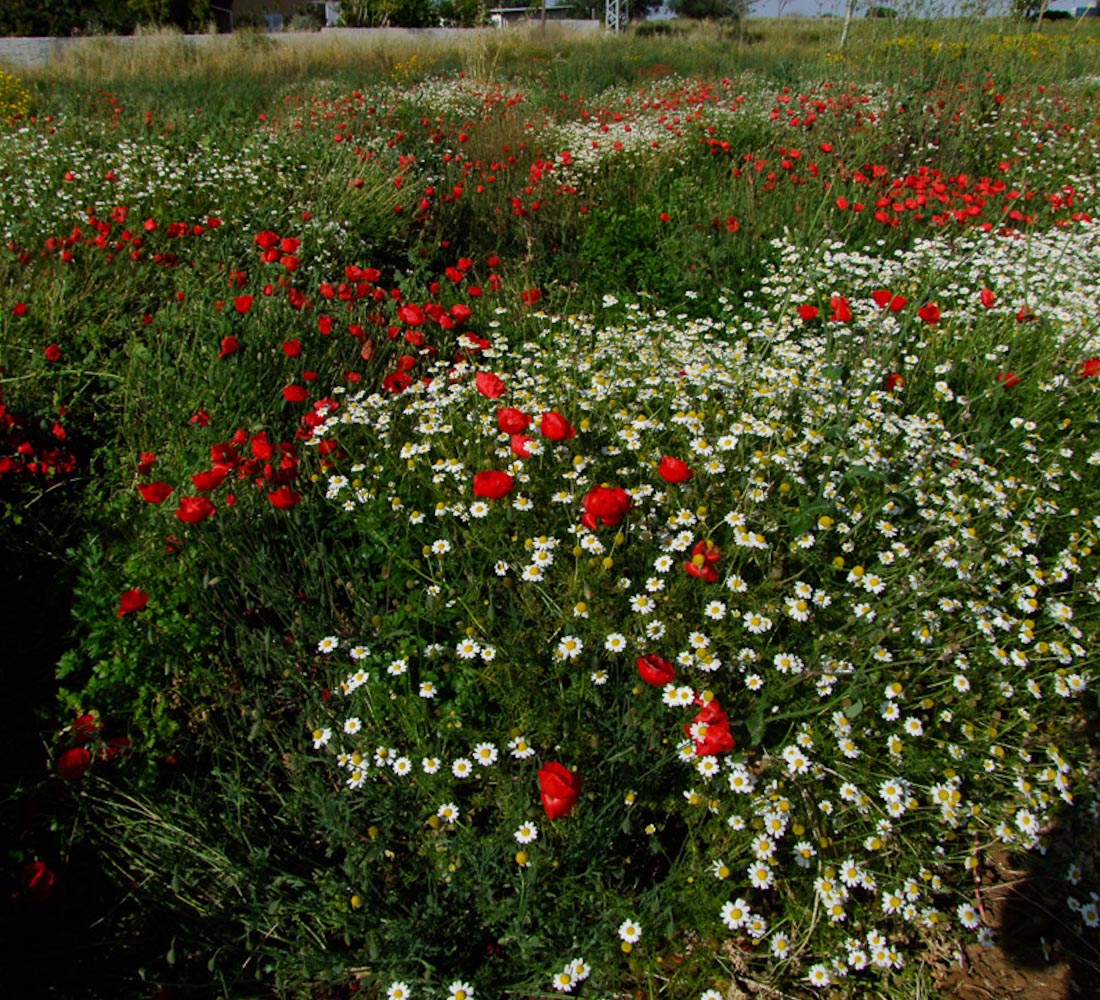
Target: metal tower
617,15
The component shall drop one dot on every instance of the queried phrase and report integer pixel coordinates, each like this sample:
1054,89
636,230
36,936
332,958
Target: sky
817,8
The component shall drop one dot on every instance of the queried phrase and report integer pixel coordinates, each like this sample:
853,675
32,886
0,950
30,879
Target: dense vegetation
598,515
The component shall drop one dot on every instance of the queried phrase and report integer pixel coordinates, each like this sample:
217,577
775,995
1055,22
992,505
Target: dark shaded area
1037,928
65,929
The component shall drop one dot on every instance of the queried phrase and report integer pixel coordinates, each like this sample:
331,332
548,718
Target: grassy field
550,514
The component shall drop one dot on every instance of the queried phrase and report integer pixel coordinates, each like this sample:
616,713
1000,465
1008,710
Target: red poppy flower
885,299
987,298
556,427
192,510
521,445
20,309
292,348
242,303
492,484
284,498
396,382
114,747
37,881
841,310
131,601
295,393
53,353
1090,368
73,763
490,385
1008,379
893,381
156,492
710,731
146,463
807,313
674,470
211,479
411,315
606,505
703,557
929,312
512,421
230,345
531,296
656,670
559,789
85,727
266,240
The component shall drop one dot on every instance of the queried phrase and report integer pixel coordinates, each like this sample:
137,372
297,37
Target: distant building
556,10
271,15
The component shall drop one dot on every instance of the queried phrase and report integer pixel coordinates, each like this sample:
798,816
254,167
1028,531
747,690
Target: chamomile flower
485,754
520,748
467,649
569,647
615,643
579,969
630,931
735,914
526,833
563,981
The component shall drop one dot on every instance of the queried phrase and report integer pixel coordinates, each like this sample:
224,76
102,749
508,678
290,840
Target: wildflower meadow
543,515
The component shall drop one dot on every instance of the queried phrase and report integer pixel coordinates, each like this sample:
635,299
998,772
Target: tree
710,10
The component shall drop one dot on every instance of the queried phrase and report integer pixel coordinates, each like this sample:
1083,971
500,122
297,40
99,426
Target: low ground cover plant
529,540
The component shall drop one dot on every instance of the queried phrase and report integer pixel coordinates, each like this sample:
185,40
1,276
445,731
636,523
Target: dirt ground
1039,956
